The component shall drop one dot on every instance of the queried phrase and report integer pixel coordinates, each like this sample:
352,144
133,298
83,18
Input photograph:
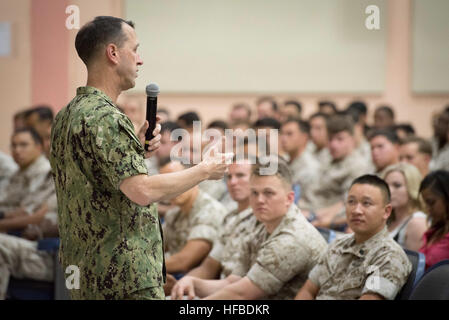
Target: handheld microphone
152,91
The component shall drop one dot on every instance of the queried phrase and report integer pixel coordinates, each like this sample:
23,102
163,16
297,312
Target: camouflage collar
91,90
362,249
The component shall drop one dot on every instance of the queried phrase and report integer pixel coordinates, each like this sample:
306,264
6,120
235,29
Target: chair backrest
434,285
418,261
328,234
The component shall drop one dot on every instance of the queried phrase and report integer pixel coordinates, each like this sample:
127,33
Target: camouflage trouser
154,293
21,259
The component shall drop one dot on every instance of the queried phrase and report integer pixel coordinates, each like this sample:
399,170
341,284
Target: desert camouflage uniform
349,270
279,262
335,181
215,188
227,248
440,159
323,156
27,189
7,169
202,222
116,244
21,259
305,171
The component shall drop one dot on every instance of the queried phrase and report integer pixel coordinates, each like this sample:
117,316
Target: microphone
152,91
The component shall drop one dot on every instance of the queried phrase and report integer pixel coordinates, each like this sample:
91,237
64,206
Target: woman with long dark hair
435,192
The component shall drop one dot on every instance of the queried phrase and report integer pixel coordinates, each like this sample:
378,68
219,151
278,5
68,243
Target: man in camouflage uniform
335,179
191,228
108,222
318,146
384,149
29,186
367,264
19,257
236,225
278,255
303,166
7,169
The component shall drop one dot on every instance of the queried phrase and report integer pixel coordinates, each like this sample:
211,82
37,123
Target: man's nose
139,60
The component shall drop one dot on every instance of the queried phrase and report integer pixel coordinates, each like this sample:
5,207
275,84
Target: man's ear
112,53
387,211
290,198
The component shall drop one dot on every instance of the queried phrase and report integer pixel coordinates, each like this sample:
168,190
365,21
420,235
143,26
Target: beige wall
15,74
16,92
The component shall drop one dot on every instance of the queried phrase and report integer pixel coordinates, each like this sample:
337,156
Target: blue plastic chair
418,261
434,284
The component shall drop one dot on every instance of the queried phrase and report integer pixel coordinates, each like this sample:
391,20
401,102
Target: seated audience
304,167
440,158
19,119
435,192
319,144
384,117
275,259
29,186
327,107
187,119
40,118
334,179
407,223
163,114
362,110
384,149
236,225
241,112
365,265
267,107
290,109
362,145
191,228
404,131
416,151
7,169
19,257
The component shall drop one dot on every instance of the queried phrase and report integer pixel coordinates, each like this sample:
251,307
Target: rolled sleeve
278,261
217,250
380,286
204,232
264,279
317,274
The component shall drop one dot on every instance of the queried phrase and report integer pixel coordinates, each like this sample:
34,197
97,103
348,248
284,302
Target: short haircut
360,106
21,114
424,146
274,105
33,133
267,122
325,116
407,127
388,110
389,134
169,126
339,123
283,171
375,181
219,124
189,117
295,103
242,105
353,114
45,113
98,33
302,125
325,103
